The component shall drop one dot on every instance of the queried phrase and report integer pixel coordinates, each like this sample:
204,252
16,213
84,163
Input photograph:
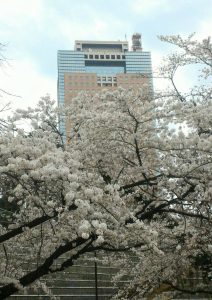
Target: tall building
94,65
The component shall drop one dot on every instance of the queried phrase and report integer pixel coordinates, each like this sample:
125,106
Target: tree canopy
127,178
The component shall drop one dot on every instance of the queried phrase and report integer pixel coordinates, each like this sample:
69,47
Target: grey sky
34,30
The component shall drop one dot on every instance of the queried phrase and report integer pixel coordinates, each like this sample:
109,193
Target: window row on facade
104,56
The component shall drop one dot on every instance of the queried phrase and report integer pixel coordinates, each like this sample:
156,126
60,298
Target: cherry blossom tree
128,178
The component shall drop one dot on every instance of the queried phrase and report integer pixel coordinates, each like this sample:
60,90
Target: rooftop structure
101,46
136,42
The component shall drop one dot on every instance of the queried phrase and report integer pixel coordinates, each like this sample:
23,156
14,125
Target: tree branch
44,269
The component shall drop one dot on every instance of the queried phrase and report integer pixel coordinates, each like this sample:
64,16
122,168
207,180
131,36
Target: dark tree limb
38,221
44,269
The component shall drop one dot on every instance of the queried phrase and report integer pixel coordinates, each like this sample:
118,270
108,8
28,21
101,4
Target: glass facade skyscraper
94,65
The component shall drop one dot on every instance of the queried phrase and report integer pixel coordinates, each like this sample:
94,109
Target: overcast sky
33,31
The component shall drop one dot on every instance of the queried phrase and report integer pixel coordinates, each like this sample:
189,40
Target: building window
106,84
107,56
86,56
118,56
96,56
91,56
112,56
102,56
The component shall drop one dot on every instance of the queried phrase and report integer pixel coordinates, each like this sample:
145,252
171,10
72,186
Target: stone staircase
90,279
78,282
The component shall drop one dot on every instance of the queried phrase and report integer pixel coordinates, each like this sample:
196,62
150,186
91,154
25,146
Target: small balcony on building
107,81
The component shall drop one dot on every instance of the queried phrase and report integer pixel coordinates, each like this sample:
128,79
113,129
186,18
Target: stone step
88,276
81,268
61,297
75,291
83,291
81,261
82,283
